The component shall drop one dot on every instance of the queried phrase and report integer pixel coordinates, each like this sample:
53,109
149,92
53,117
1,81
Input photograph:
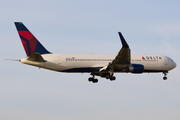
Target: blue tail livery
30,43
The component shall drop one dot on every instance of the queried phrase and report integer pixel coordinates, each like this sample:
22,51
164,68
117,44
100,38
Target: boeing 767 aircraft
103,65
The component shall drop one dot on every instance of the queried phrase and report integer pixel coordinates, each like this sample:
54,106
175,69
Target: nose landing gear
165,73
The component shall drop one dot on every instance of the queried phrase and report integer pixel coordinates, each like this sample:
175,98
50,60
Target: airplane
103,65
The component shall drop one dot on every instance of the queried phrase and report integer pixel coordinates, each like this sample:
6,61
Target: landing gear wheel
164,78
95,81
107,76
113,78
91,79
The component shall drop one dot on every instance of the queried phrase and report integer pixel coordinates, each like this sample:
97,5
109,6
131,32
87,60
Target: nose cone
171,63
174,65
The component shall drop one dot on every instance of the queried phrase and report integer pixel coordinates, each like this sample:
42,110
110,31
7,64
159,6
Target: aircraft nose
174,65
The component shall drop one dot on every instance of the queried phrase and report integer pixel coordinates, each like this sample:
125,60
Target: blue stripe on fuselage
96,69
89,69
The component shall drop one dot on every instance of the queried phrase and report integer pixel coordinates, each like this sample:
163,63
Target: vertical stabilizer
30,43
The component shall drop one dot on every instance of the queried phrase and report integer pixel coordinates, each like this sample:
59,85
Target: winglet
124,43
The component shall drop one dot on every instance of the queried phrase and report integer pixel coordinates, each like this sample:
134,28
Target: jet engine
134,68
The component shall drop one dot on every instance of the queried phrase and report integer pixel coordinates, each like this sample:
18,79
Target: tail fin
30,43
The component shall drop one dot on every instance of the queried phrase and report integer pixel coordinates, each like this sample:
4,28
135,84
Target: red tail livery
30,43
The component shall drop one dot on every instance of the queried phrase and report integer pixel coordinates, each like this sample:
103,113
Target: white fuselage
90,62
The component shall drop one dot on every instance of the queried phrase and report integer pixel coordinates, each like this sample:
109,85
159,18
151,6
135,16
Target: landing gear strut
165,73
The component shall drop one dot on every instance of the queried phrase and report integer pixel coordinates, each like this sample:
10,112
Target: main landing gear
165,73
92,79
111,77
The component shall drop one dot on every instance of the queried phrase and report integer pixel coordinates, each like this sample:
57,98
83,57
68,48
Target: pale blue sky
150,27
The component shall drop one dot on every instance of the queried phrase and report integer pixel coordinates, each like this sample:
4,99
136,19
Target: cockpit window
171,59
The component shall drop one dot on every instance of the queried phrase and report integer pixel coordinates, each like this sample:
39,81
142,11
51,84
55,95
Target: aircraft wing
121,60
124,55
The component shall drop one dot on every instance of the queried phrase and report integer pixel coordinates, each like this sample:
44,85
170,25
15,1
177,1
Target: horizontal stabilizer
36,57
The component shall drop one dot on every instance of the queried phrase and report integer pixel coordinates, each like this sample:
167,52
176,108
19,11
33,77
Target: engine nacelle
135,68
